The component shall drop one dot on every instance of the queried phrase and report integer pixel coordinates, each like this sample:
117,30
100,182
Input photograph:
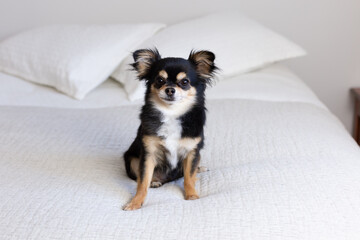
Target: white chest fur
170,130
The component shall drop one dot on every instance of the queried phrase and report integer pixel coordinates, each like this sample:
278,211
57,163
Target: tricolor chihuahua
171,135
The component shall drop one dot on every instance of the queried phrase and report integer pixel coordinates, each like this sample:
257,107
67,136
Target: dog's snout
170,91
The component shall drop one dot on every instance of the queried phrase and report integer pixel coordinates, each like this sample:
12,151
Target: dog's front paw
132,206
192,197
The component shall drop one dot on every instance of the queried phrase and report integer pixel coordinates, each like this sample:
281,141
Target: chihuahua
171,135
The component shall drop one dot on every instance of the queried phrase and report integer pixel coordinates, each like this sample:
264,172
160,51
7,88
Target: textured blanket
278,170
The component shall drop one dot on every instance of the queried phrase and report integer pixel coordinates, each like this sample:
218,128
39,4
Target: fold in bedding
278,170
275,83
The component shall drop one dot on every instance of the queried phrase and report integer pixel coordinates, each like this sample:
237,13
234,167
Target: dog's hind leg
159,178
155,184
156,180
201,169
135,162
132,161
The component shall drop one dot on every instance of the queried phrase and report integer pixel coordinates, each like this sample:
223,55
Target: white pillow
240,45
72,58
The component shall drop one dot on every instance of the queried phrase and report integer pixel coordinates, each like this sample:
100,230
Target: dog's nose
170,91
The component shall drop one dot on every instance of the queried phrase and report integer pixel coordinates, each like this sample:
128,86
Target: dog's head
172,81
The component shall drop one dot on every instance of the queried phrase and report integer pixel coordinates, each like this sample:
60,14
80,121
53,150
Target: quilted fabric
278,170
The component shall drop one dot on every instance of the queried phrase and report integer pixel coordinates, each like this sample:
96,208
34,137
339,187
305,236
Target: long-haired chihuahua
171,135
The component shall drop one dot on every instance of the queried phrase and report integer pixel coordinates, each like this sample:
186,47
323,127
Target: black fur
199,69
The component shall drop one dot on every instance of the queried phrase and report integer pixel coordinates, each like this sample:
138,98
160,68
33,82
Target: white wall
328,29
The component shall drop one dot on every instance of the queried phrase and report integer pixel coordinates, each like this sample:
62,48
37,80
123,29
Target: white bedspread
278,170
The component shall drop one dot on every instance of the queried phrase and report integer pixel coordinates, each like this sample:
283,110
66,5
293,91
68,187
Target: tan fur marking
144,61
151,144
134,165
189,179
142,69
203,63
180,75
146,55
155,96
163,74
192,92
189,143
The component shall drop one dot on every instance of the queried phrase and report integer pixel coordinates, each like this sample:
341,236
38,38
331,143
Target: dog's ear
144,59
204,62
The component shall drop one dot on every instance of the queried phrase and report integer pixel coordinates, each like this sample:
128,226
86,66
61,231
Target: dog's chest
170,131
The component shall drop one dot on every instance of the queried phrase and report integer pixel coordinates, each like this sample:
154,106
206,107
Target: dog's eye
160,80
184,82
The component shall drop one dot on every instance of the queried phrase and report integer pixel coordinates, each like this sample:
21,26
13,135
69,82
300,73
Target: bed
281,166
